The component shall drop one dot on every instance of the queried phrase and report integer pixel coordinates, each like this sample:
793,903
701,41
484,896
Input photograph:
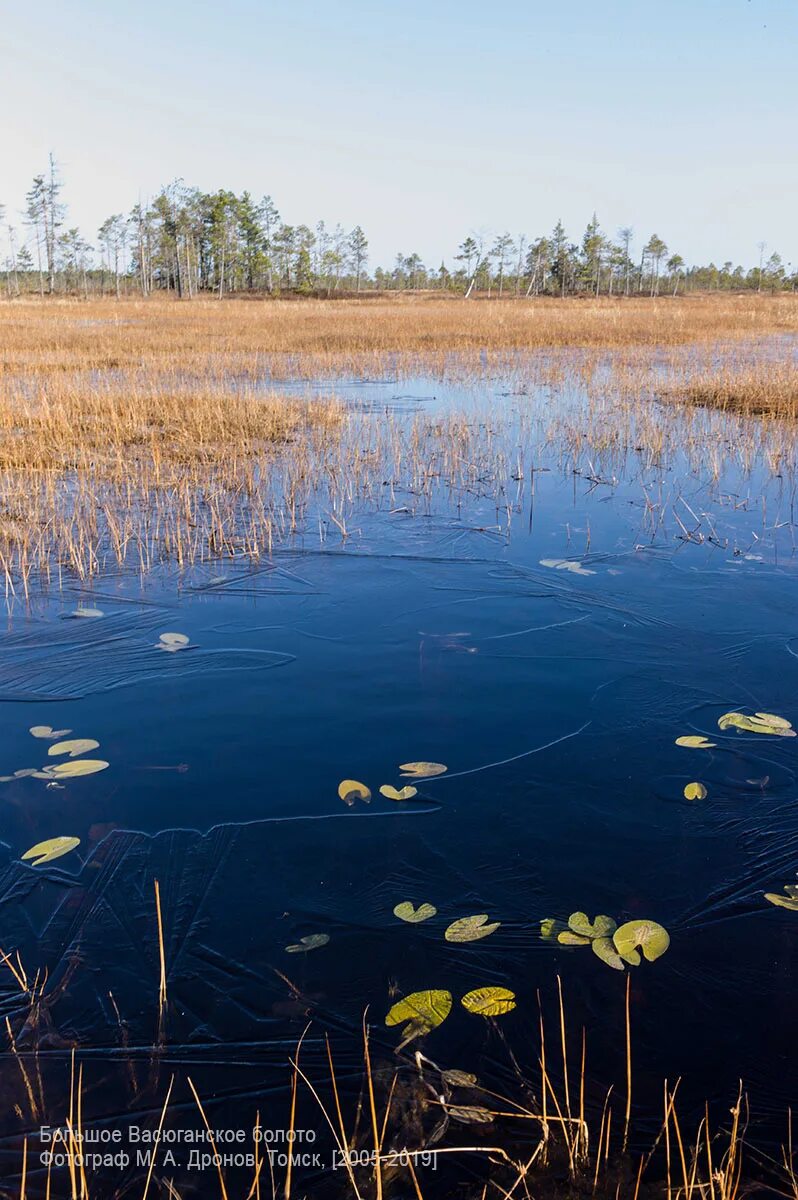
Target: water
432,632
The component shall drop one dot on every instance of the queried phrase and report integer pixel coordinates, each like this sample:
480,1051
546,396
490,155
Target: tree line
191,242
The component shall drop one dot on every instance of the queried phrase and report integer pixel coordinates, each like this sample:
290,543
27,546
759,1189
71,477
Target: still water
449,632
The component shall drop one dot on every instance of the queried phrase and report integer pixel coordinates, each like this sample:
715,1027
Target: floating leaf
471,929
761,723
489,1001
566,564
695,791
695,743
414,916
390,793
550,928
567,938
423,1010
652,939
174,639
604,948
422,770
789,901
25,771
45,731
469,1114
602,927
44,852
350,790
72,770
458,1078
84,611
311,941
74,747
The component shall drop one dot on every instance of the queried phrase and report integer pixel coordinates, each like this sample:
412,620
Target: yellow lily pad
471,929
414,916
695,791
653,940
693,742
46,731
489,1001
423,1010
74,747
311,941
766,723
550,928
422,770
44,852
72,770
602,927
350,790
604,948
789,901
390,793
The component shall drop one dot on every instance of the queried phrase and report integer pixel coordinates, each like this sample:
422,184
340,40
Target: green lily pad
568,938
423,1011
489,1001
551,928
414,916
44,852
455,1078
604,948
471,929
652,939
603,926
311,941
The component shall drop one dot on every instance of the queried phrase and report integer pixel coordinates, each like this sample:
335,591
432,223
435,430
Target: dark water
554,698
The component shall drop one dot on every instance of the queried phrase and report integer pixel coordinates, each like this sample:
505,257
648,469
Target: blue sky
420,121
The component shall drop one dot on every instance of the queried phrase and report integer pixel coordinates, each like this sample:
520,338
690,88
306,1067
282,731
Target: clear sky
421,120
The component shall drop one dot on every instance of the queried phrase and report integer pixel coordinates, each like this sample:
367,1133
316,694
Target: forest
188,242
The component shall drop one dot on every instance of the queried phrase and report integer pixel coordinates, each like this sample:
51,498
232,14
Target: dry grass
136,432
315,337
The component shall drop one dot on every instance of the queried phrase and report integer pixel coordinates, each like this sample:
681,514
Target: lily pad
46,731
602,927
604,948
471,929
790,900
694,742
567,938
766,723
422,1010
455,1078
72,770
695,791
489,1001
652,939
350,790
565,564
551,928
312,941
390,793
468,1114
44,852
74,747
422,770
85,611
414,916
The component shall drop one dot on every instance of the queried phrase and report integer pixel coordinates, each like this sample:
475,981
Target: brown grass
135,432
330,336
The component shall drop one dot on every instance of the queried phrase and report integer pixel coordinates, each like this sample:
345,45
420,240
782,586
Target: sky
422,121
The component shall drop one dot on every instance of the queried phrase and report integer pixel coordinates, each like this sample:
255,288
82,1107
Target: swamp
398,772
